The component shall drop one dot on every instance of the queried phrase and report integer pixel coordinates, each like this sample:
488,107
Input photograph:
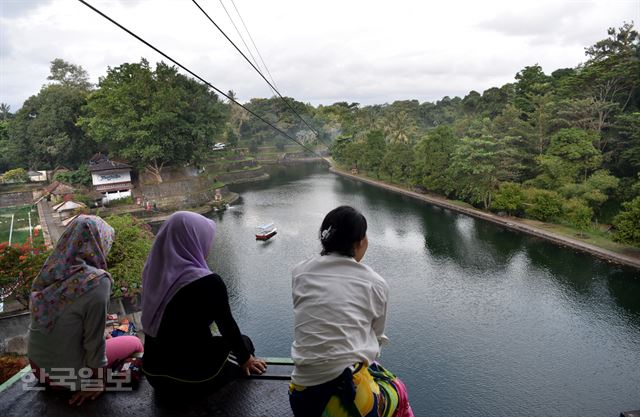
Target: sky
319,52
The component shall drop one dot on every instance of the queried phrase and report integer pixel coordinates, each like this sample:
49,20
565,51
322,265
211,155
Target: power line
254,44
285,134
239,34
258,71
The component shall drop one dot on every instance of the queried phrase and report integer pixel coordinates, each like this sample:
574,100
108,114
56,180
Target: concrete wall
13,333
18,198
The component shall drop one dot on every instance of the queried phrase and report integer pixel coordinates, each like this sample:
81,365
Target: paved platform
252,397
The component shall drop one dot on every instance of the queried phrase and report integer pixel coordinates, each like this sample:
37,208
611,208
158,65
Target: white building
111,178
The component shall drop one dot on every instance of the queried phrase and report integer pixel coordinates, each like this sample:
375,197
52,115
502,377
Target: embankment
507,222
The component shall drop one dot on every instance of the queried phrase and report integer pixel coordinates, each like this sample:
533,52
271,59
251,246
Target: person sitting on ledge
339,311
68,304
181,299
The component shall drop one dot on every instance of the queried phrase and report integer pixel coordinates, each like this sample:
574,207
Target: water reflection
483,321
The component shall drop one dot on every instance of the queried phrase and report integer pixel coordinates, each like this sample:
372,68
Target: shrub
19,265
509,198
15,175
128,254
627,223
542,205
81,176
577,213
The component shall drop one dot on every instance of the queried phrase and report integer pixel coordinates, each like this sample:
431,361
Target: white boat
266,231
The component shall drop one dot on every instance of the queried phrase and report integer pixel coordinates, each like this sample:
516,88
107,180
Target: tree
570,158
237,116
611,75
5,146
626,223
374,151
577,213
398,162
531,82
5,112
474,170
432,157
44,132
595,190
400,128
153,118
625,145
69,75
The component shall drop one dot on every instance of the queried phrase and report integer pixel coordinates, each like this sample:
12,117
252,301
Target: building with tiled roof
110,178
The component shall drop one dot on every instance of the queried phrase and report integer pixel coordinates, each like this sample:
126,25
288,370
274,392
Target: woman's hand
89,388
254,365
79,397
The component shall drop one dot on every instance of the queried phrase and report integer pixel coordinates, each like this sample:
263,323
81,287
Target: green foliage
5,161
627,223
19,265
69,75
153,118
474,170
544,205
132,243
397,162
509,198
577,213
570,158
81,176
432,157
44,134
15,175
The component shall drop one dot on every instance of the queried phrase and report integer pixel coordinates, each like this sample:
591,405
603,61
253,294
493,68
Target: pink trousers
122,347
117,348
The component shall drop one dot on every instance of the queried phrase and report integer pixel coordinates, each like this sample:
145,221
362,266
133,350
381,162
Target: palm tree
399,128
4,111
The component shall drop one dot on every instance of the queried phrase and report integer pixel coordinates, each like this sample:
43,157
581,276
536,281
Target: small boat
266,231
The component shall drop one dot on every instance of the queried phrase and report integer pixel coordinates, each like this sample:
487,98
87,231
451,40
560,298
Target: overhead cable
283,133
258,71
254,44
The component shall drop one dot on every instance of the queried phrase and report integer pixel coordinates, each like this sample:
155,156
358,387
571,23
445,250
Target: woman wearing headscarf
68,304
181,299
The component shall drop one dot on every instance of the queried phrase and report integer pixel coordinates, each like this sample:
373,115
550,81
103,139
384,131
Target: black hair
341,228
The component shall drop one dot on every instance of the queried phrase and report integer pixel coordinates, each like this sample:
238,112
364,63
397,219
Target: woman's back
339,316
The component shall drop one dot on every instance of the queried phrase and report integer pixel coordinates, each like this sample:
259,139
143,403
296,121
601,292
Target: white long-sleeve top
339,311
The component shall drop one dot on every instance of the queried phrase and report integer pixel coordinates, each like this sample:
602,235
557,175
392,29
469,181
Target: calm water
482,321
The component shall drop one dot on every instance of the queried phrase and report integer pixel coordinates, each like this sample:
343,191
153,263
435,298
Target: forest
562,147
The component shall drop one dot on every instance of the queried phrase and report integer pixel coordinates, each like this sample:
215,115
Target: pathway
51,231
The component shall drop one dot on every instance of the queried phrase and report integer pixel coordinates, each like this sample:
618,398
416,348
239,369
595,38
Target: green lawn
20,223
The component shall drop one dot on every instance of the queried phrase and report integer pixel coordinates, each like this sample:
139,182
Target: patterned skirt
358,392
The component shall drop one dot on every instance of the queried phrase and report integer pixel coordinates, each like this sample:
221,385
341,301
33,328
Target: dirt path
507,221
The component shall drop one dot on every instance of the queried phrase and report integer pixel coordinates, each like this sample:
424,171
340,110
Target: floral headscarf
75,266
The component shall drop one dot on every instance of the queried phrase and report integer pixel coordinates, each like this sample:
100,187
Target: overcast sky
317,51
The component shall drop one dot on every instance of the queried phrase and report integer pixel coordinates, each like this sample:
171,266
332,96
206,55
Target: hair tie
326,234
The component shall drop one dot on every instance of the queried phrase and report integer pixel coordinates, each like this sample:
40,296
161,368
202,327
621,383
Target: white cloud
318,52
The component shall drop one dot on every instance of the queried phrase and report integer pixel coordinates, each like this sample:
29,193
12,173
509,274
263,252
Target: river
483,321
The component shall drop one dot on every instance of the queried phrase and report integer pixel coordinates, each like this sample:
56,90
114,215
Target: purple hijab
178,257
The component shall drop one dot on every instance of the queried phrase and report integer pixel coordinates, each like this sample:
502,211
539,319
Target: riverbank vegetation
560,147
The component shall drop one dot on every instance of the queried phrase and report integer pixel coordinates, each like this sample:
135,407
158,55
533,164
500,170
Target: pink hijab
178,257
